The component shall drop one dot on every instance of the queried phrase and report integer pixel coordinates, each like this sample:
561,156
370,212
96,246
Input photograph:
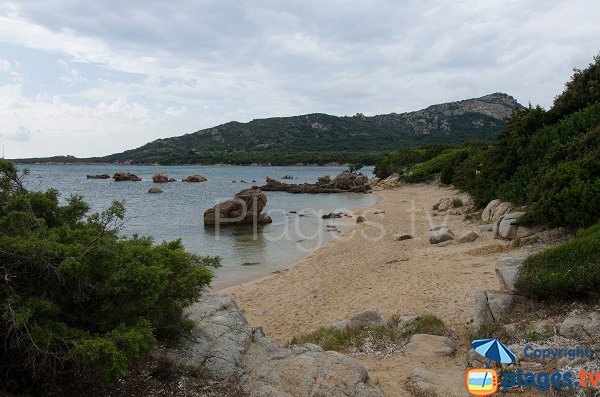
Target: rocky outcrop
103,176
121,176
430,344
494,210
225,348
161,177
345,182
245,208
154,190
390,182
196,178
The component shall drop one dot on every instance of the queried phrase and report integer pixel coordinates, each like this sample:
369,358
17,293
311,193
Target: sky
89,78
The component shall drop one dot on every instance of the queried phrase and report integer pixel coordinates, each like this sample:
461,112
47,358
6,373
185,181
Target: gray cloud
208,62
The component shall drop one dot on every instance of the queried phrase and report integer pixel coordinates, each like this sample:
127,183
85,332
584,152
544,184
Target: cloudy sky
96,77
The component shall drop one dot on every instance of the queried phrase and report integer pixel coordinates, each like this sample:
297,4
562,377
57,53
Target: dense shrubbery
570,270
75,297
549,160
401,160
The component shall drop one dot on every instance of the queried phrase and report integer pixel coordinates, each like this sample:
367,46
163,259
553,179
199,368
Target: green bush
565,272
77,298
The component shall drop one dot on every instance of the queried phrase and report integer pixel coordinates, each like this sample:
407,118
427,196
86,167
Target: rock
440,234
245,208
121,176
287,177
481,310
154,190
507,228
577,325
501,303
468,237
103,176
368,317
443,205
495,228
486,228
340,325
331,215
501,210
345,182
489,209
507,270
224,347
401,237
406,321
324,180
423,382
196,178
360,219
425,344
445,243
161,177
524,231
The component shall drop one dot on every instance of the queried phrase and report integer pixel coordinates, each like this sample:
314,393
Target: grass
365,338
566,272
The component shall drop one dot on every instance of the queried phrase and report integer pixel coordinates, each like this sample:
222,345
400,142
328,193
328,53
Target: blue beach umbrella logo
494,350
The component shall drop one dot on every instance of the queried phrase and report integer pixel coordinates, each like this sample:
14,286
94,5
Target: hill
321,138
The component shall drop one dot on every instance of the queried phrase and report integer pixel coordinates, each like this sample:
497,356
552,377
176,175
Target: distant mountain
321,138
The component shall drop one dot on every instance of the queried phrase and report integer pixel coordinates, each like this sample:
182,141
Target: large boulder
121,176
245,208
225,348
430,344
489,209
196,178
581,325
439,234
443,204
502,209
507,271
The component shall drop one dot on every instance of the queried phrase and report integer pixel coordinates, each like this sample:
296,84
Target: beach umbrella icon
494,350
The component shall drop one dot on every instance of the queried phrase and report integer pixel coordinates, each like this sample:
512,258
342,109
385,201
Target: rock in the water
195,178
439,234
507,270
360,219
245,208
287,177
345,182
154,190
401,237
121,176
468,237
161,177
324,180
368,317
103,176
430,345
581,325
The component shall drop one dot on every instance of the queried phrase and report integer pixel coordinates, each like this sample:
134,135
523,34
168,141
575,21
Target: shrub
427,324
77,297
565,272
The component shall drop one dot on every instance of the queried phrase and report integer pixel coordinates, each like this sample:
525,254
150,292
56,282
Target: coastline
346,276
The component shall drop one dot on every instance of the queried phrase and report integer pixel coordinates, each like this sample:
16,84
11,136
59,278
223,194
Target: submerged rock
154,190
103,176
196,178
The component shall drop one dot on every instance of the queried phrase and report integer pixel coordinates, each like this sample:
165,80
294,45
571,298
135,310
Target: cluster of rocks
345,182
196,178
161,177
504,218
226,349
390,182
441,236
245,208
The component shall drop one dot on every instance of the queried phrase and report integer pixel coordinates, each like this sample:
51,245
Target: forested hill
321,138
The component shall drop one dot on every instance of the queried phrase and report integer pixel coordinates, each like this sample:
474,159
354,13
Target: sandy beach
367,269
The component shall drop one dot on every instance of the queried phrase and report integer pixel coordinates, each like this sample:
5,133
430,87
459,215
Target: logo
482,381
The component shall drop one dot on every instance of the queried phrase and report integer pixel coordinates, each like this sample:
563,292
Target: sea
246,253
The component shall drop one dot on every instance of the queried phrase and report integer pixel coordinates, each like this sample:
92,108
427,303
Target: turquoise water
178,212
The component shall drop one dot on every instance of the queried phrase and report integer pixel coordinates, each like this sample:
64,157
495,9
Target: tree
75,298
353,168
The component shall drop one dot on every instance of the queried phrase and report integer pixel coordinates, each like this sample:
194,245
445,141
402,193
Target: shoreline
349,224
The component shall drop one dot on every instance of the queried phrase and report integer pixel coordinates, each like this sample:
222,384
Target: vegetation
354,168
77,299
318,138
565,272
374,337
549,160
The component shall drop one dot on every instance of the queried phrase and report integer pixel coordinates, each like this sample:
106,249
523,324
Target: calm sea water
178,212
